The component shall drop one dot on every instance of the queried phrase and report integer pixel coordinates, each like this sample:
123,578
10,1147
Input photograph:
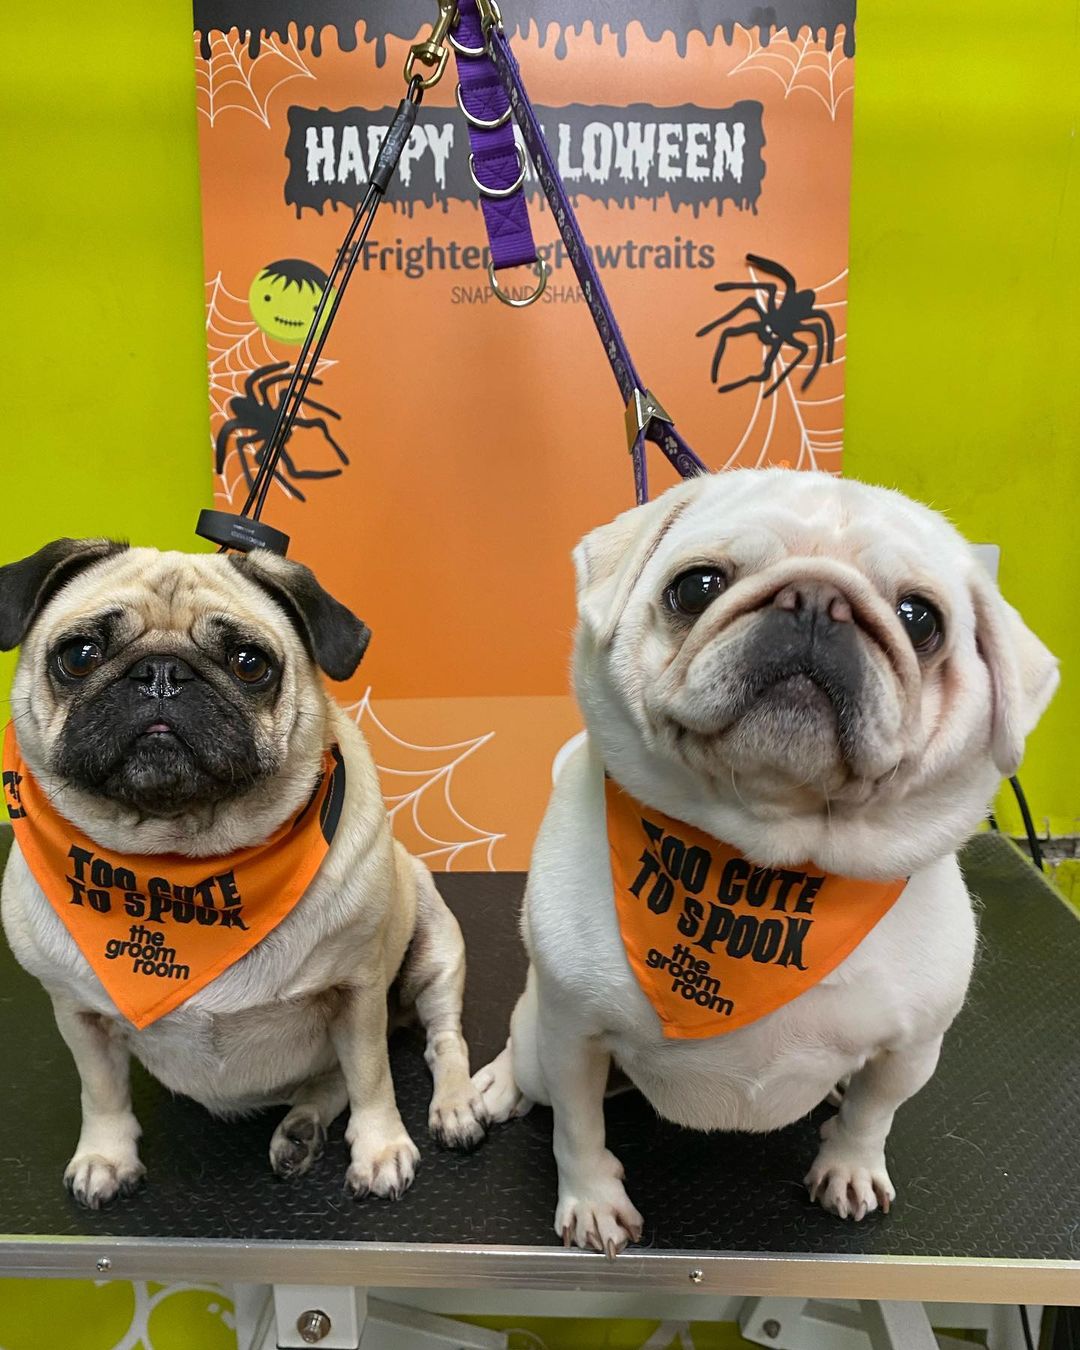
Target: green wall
964,341
104,367
964,366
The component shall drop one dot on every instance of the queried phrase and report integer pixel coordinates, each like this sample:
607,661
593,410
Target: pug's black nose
161,676
808,599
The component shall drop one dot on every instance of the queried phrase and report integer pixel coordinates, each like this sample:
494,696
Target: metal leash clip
490,18
490,15
433,51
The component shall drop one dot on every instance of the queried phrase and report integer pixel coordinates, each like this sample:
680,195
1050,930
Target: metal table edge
410,1265
990,840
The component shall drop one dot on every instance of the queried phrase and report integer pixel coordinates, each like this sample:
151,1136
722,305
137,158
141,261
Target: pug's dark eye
250,665
922,623
79,657
693,592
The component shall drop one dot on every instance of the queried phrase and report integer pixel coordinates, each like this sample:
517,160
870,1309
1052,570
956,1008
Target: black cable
305,368
347,256
1028,1339
1029,824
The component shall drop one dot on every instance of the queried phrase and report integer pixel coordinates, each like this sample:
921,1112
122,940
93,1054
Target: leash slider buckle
643,408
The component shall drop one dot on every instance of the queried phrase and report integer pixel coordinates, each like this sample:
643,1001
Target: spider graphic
254,413
776,326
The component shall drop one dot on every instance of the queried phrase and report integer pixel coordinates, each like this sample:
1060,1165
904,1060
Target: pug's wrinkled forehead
128,595
757,519
142,596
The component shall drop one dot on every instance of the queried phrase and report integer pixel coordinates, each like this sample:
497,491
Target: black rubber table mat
986,1159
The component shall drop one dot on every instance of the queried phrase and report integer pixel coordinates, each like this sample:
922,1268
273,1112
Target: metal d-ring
479,122
466,51
486,191
542,270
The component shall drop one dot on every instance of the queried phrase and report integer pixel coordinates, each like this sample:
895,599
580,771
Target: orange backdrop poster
455,450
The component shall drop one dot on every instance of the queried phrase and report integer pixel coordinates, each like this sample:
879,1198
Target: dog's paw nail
459,1125
386,1173
604,1221
131,1181
849,1186
357,1186
95,1181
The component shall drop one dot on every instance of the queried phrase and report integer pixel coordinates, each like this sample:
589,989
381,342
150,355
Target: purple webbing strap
686,463
496,158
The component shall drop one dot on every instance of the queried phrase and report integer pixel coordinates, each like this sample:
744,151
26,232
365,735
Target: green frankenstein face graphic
284,297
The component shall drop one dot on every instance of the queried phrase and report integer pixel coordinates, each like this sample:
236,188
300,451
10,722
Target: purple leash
490,89
496,164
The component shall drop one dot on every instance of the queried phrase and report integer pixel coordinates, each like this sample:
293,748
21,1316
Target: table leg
898,1326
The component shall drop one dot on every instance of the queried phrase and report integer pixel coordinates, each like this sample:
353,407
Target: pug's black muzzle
161,738
807,642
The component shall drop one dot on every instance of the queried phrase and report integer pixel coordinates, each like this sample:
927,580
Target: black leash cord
1029,824
307,362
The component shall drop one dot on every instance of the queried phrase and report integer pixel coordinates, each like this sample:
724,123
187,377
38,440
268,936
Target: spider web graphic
801,63
232,78
417,782
235,347
816,420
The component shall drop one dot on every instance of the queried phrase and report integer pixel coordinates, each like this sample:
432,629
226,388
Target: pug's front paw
384,1169
848,1180
96,1181
598,1214
457,1118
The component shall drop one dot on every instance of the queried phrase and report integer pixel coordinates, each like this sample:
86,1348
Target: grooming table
986,1159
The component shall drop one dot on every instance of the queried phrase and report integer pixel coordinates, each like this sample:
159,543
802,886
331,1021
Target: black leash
246,531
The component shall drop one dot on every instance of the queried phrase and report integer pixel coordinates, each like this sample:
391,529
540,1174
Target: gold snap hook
433,52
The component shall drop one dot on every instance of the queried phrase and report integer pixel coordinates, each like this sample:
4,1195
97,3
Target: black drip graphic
306,19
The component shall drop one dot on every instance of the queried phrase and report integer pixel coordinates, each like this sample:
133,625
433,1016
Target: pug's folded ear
609,560
1023,672
334,637
27,586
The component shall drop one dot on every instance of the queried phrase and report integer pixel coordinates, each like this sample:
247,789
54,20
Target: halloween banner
453,450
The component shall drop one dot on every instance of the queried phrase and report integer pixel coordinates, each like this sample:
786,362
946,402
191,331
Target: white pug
819,674
172,710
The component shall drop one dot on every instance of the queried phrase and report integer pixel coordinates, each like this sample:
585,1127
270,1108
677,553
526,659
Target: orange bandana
716,942
158,928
